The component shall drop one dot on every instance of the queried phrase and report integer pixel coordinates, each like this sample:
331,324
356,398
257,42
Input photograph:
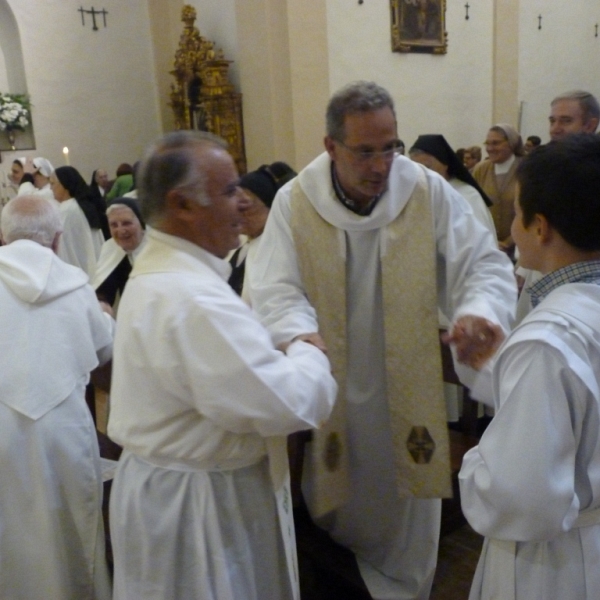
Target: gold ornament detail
420,444
202,97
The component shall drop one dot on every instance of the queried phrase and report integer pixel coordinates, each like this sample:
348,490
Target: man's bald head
31,218
171,163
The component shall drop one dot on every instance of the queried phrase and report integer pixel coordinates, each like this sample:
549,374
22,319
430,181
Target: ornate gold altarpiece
202,97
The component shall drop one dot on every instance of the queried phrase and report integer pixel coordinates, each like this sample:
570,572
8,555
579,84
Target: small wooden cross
93,12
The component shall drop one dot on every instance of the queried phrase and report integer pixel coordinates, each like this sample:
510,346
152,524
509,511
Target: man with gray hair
573,112
359,251
202,400
54,334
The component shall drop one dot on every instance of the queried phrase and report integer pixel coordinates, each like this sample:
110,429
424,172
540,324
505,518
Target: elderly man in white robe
360,250
202,399
532,485
54,334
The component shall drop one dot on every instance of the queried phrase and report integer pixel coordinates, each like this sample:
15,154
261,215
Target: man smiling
201,400
573,112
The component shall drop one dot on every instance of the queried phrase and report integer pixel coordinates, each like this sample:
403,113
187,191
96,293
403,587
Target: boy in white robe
200,505
532,485
53,334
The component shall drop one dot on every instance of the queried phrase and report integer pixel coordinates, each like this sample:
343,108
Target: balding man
573,112
53,334
201,398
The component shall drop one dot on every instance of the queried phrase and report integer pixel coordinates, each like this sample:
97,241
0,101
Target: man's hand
475,339
107,308
310,338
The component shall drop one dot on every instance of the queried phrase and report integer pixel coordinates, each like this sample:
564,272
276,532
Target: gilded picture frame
419,26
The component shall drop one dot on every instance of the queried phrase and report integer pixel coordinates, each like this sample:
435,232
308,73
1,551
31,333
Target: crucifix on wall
92,12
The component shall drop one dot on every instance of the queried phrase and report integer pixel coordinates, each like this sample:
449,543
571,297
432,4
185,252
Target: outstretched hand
475,339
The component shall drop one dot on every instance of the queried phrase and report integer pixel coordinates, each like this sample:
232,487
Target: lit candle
66,154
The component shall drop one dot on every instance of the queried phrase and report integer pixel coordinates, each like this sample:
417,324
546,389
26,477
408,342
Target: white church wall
12,71
93,91
449,94
561,56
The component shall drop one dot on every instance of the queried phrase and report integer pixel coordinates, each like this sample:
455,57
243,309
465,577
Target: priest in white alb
359,251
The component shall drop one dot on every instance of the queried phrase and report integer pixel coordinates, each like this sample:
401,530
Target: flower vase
11,138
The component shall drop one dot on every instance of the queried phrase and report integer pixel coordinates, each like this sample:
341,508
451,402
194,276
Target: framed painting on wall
419,26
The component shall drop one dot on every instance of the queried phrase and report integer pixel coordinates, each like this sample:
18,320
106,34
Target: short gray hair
357,97
30,218
170,164
590,108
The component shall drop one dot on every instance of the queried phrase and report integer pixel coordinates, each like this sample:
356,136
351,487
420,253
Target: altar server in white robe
532,485
201,399
353,249
53,334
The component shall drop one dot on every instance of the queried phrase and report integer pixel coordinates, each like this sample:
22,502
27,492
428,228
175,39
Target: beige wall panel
264,71
166,27
309,69
505,107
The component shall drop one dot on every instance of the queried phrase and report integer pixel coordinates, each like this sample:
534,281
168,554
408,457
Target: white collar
503,168
316,182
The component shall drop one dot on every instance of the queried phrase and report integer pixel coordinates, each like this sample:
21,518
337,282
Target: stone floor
457,559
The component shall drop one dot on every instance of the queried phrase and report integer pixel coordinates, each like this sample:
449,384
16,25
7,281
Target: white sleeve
253,387
276,289
474,276
519,483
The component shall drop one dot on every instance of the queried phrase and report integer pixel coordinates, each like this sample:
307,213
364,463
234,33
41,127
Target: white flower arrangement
14,111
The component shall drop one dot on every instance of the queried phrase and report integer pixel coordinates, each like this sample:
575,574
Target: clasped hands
310,338
475,340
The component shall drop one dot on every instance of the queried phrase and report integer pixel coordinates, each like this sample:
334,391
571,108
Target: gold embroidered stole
413,363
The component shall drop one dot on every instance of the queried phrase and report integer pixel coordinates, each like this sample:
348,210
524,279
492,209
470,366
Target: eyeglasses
366,155
495,143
